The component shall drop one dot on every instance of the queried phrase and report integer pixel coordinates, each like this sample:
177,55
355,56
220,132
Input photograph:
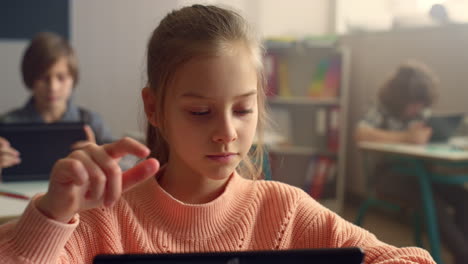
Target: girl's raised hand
90,138
91,177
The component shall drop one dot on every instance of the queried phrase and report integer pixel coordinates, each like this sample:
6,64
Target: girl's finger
67,172
80,144
89,134
141,171
126,146
113,173
96,177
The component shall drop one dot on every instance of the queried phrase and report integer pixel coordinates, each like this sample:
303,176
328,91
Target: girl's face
212,115
53,89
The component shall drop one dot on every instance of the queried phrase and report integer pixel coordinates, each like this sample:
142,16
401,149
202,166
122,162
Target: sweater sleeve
34,238
317,227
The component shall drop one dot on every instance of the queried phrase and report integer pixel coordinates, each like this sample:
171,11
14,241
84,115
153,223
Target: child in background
204,102
50,72
404,106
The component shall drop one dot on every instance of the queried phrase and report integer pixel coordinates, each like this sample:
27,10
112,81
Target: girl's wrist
42,205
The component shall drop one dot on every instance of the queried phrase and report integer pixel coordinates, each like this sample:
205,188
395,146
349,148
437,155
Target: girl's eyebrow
200,96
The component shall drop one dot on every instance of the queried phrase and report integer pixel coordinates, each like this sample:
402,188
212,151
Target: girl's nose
225,131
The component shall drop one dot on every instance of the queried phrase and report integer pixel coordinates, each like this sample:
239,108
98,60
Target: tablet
316,256
40,146
444,126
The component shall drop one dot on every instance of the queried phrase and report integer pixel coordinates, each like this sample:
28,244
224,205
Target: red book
271,71
320,177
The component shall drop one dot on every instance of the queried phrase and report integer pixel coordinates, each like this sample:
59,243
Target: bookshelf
307,99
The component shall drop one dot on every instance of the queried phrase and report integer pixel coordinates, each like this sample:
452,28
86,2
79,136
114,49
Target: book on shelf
277,76
310,171
283,79
329,188
326,79
271,71
333,128
320,176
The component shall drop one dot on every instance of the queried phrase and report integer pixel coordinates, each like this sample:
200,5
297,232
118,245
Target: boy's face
212,115
53,89
414,109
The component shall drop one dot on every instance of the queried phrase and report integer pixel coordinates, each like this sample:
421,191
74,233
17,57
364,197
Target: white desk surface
14,207
429,151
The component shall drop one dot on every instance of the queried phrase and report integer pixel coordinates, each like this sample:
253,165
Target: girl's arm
34,238
320,228
88,178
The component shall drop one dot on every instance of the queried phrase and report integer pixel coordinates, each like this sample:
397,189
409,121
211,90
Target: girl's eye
244,112
199,113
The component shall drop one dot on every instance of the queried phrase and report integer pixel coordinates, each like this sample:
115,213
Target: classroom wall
378,15
304,17
375,55
12,91
110,38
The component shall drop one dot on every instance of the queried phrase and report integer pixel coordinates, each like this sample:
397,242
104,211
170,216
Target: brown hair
194,32
412,82
44,50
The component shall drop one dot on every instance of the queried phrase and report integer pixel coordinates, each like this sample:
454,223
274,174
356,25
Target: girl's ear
149,102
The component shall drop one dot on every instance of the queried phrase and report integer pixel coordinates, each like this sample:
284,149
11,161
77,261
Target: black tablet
40,146
316,256
444,126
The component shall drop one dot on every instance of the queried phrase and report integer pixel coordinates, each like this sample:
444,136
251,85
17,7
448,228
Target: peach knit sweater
249,215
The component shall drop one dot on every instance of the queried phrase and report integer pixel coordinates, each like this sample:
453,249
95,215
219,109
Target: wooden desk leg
429,211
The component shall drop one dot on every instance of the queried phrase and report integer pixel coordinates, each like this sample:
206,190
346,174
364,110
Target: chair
374,200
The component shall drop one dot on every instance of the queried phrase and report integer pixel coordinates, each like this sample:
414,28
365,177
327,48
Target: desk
11,207
440,152
415,156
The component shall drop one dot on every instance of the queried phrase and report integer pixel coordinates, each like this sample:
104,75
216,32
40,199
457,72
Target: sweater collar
196,220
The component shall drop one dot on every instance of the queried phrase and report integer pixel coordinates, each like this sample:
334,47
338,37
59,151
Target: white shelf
303,122
303,101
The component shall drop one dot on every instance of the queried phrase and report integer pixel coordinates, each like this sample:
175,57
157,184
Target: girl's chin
220,175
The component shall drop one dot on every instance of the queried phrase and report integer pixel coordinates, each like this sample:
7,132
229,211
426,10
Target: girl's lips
222,158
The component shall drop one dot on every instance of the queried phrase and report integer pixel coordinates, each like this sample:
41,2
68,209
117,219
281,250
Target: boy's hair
412,82
194,32
44,50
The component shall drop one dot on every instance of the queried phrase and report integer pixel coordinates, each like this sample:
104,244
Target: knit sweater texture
248,215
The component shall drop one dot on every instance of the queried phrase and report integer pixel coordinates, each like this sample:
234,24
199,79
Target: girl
204,102
404,106
50,71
